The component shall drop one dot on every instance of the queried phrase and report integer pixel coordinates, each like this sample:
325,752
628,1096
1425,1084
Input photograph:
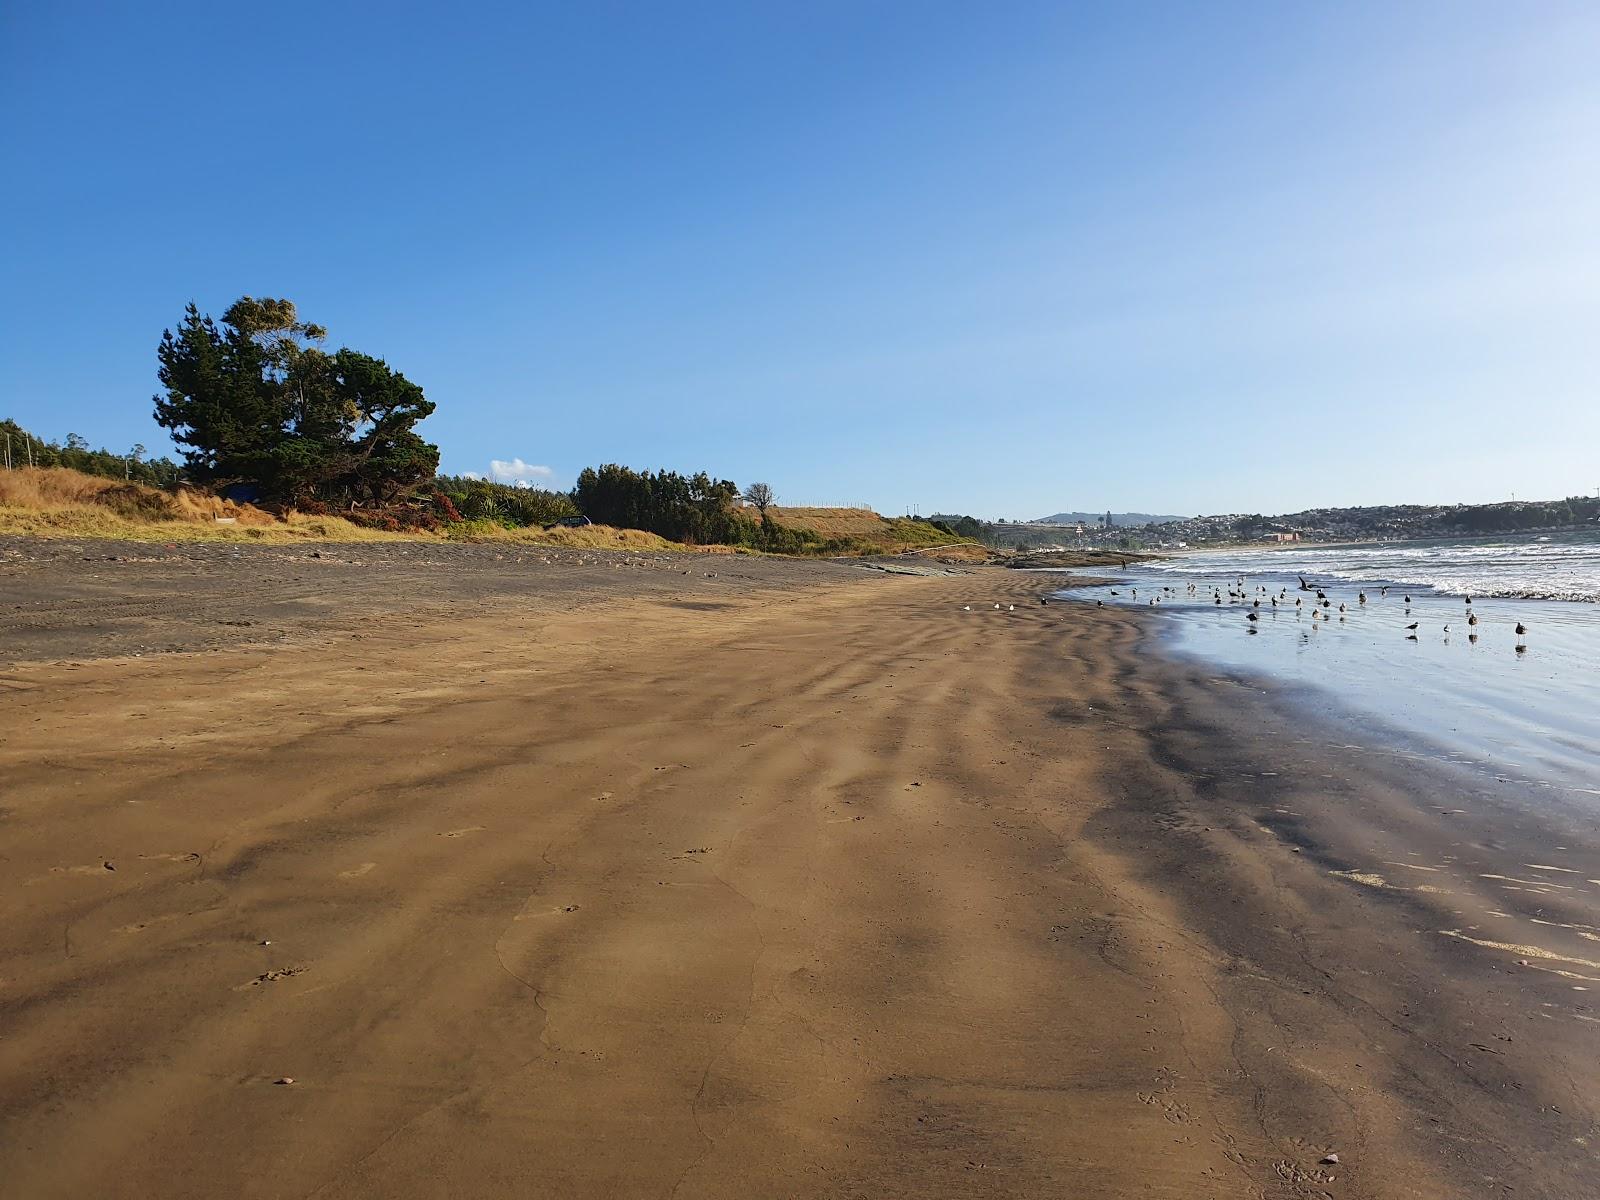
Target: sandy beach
674,876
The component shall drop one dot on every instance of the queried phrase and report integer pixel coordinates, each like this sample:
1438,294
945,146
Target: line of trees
515,507
693,509
25,449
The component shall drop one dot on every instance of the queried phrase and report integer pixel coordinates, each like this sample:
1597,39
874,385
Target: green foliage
514,507
696,510
1502,518
27,449
256,399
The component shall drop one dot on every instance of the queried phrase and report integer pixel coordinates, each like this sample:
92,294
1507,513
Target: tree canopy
257,399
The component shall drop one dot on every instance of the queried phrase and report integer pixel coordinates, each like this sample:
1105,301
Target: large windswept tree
258,399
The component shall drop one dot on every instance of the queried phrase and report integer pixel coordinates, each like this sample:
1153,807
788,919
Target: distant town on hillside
1383,522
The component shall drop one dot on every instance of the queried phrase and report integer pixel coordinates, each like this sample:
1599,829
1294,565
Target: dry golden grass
586,537
61,503
57,502
863,525
832,522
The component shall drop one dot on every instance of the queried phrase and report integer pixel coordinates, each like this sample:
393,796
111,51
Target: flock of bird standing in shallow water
1322,607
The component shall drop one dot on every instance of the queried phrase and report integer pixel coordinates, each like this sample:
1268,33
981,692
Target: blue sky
1003,259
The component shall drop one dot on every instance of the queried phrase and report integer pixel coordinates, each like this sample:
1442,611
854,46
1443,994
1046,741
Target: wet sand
810,885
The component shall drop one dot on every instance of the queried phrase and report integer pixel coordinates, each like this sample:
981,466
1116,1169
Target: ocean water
1524,707
1559,566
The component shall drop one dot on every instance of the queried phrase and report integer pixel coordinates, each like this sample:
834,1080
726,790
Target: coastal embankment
659,876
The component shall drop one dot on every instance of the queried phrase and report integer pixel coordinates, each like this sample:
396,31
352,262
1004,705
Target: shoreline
1006,901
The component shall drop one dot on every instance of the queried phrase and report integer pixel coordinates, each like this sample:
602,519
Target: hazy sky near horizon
1000,259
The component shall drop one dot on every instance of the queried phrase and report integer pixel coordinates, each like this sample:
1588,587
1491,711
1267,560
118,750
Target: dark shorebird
1521,629
1472,618
1252,616
1447,629
1361,597
1408,599
1413,625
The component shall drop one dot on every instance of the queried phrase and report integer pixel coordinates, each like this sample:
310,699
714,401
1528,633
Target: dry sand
822,886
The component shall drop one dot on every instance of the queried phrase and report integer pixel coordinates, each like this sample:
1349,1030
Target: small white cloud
519,473
471,475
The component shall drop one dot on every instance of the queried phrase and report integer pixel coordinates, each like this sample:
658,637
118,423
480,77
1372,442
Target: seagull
1360,596
966,608
1010,607
1447,629
997,608
1408,599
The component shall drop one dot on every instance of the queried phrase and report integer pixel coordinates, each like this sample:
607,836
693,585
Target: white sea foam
1564,567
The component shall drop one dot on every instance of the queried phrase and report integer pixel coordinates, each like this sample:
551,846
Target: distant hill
1072,518
863,525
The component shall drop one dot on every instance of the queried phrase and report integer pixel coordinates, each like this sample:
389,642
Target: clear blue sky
1003,259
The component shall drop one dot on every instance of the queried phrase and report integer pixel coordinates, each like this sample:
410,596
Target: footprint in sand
463,832
99,868
357,872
